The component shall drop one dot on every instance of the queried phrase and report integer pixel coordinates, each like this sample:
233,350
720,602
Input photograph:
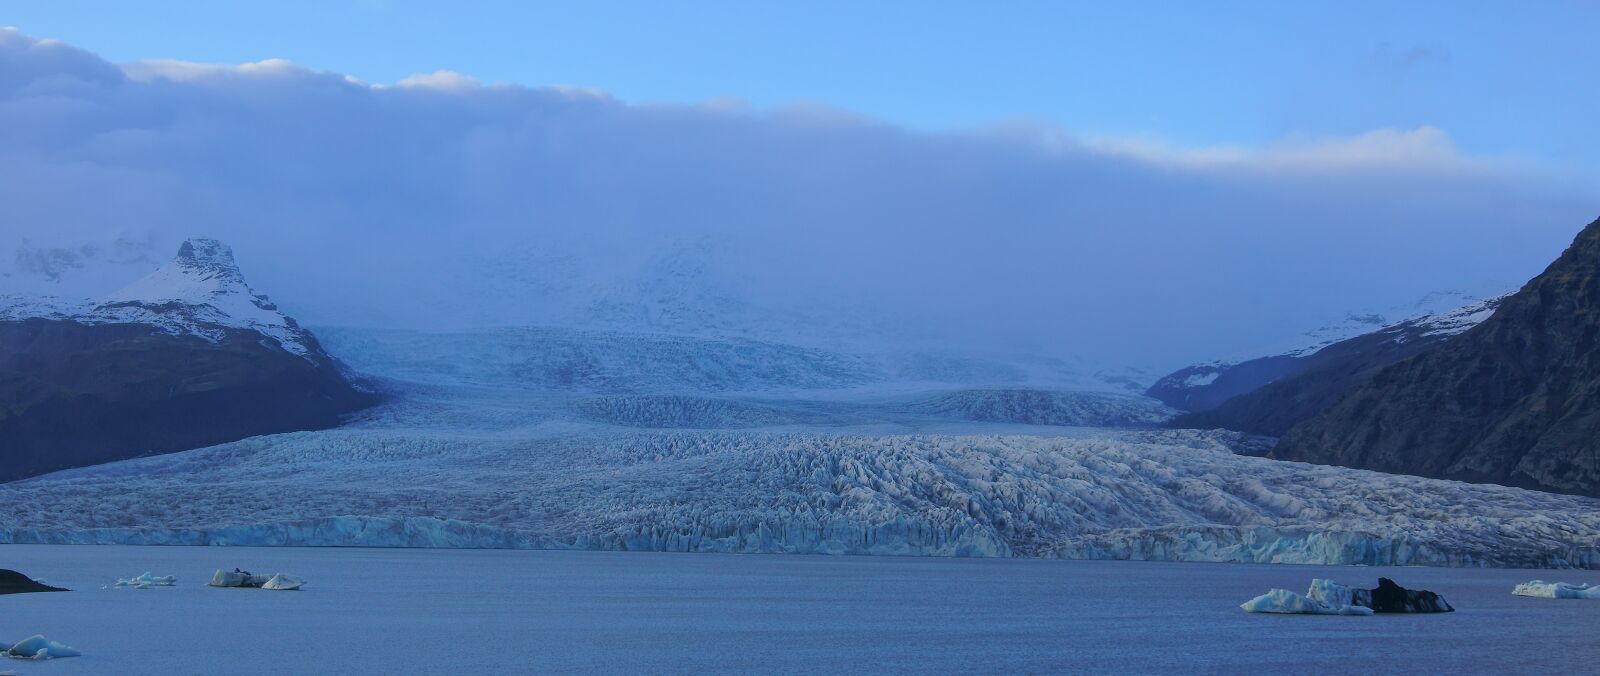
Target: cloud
440,201
440,79
1424,149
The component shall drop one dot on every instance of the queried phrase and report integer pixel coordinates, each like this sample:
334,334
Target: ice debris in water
1324,598
283,582
244,578
147,581
39,648
1557,590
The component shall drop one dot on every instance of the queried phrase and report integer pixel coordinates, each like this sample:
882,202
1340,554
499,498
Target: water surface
392,611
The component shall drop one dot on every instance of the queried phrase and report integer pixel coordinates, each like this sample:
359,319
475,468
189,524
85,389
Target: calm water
467,612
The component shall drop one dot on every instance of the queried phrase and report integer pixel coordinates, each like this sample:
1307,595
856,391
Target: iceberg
237,578
1332,594
39,648
244,578
147,581
1285,602
1288,603
1557,590
1326,597
281,582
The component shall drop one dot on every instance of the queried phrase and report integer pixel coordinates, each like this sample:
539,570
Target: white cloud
1425,149
448,80
342,196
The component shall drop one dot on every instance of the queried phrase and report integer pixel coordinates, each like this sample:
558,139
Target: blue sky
1500,79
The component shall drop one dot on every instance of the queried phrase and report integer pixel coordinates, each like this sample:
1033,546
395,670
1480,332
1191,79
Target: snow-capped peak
203,273
199,292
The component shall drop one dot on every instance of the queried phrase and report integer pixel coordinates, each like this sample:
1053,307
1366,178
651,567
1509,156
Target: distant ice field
402,611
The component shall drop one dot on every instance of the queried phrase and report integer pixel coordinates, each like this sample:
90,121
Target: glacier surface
561,439
1167,495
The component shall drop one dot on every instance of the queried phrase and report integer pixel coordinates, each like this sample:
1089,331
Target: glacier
1170,496
562,439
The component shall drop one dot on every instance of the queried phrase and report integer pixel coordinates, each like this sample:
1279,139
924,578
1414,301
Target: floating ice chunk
147,581
1557,590
1326,597
39,648
1331,594
242,578
283,582
1287,602
237,578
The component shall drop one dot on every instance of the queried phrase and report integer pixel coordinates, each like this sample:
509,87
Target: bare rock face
1514,400
186,357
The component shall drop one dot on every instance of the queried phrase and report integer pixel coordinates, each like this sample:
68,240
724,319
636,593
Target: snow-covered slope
199,292
1205,386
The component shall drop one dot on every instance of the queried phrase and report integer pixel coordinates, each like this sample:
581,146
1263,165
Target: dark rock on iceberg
1393,598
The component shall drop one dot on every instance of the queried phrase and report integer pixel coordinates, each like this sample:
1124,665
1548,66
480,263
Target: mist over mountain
441,202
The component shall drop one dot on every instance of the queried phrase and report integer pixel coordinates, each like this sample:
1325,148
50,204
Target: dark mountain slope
1514,400
186,357
1321,378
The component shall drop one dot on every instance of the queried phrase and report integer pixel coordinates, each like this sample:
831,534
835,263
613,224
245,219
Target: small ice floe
1557,590
1287,602
1326,597
281,582
244,578
39,648
147,581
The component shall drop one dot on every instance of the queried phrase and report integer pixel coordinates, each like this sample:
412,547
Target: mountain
1432,318
1270,395
1514,400
188,356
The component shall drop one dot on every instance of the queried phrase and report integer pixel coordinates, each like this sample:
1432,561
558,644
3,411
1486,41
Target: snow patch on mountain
200,292
1441,313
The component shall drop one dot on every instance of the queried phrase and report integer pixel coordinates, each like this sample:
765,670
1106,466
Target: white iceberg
147,581
1325,597
39,648
237,578
1283,601
242,578
1332,594
283,582
1557,590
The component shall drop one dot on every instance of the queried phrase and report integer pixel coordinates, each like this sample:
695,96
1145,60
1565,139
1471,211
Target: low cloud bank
442,201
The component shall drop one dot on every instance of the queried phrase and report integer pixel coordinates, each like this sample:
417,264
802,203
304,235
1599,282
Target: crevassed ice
1180,496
